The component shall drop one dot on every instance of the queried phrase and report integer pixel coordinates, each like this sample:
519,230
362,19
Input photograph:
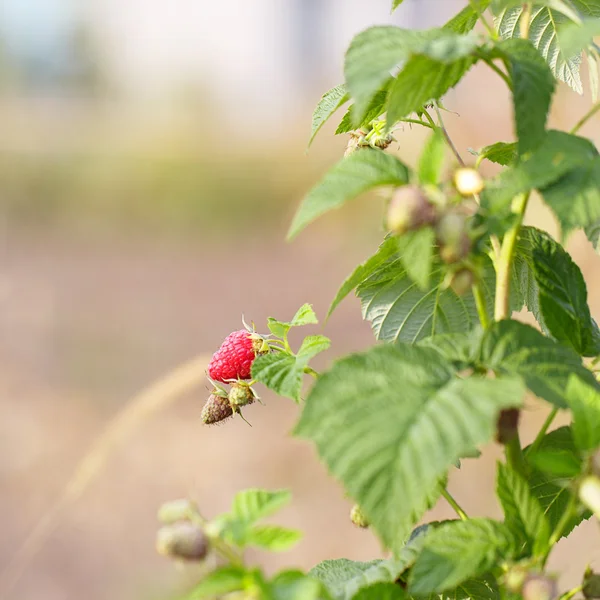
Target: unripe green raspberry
240,395
539,587
183,540
216,409
176,510
468,181
589,493
462,281
409,209
453,237
514,578
358,517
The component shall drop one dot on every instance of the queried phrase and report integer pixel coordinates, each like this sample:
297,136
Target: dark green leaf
522,511
459,550
280,372
381,591
329,103
459,348
431,161
563,296
352,176
421,80
416,249
533,87
381,417
559,463
593,234
388,248
514,348
295,585
376,109
584,402
588,8
219,582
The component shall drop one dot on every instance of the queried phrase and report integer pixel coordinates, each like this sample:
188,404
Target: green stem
446,135
454,504
514,455
542,432
525,20
480,304
483,20
561,526
568,595
310,371
586,118
504,263
417,122
490,63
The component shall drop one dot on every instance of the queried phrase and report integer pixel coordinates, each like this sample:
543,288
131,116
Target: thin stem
417,122
454,504
561,526
483,20
494,67
525,20
504,263
542,432
590,113
568,595
444,131
480,304
310,371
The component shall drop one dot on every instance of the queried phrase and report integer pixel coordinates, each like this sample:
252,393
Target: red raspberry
233,360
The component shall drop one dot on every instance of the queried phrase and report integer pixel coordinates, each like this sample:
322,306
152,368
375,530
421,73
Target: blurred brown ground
98,298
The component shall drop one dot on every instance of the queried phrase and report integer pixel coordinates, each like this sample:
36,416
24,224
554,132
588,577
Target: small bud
589,493
591,584
240,395
217,408
462,281
358,518
409,209
539,587
468,181
176,510
508,425
515,578
182,540
453,237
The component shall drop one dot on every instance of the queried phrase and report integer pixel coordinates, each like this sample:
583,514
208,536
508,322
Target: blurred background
151,156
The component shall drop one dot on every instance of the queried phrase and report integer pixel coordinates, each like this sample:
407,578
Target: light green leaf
251,505
305,315
502,153
575,197
376,109
295,585
550,490
273,537
222,581
563,296
513,348
459,550
416,249
388,247
396,4
522,512
352,176
381,591
421,80
467,18
398,310
593,59
390,422
543,33
311,346
432,157
280,372
344,577
584,402
327,106
576,37
533,87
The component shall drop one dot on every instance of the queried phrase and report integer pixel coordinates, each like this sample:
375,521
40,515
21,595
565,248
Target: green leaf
352,176
280,372
305,315
563,296
533,87
381,591
543,33
459,348
549,489
576,37
222,581
559,154
584,402
431,161
329,104
416,249
421,80
388,248
459,550
588,8
311,346
398,310
501,153
251,505
273,537
295,585
374,52
376,109
467,18
558,463
381,417
513,348
593,234
575,197
396,4
344,577
522,511
558,5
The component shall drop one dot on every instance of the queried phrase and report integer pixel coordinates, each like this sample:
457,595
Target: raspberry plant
453,367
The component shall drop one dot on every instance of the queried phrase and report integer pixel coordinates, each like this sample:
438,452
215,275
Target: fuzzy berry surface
233,360
216,409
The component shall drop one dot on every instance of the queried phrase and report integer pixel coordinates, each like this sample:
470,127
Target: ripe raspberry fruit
233,360
216,409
